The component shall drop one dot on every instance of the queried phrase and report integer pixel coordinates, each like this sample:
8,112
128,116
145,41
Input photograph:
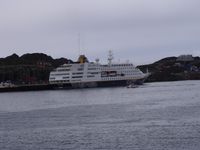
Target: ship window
80,69
104,65
92,68
77,73
93,72
77,77
90,76
65,77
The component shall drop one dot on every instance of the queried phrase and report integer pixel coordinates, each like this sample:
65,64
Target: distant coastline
32,69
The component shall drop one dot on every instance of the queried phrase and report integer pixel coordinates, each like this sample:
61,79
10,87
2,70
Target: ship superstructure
94,74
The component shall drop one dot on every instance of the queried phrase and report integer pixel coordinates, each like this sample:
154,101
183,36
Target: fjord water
155,116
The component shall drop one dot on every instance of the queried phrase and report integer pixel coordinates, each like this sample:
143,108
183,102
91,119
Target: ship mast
110,57
79,43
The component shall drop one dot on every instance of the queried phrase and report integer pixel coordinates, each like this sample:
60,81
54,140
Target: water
155,116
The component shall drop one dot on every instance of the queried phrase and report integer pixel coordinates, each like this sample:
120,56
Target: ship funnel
82,59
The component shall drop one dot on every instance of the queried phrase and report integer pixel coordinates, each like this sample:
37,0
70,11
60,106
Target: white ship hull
85,74
92,84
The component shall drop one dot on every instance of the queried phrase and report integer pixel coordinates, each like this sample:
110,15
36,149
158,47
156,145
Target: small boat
132,86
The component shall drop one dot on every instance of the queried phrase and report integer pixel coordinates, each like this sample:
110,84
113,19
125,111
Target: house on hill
185,58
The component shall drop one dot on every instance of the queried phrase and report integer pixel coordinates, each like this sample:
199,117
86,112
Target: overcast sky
141,31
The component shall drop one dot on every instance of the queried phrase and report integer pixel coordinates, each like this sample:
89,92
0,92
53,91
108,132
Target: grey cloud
139,30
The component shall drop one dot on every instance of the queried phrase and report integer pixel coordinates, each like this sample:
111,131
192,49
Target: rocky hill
184,67
29,68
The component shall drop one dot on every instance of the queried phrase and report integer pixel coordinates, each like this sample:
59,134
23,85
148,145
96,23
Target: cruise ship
85,74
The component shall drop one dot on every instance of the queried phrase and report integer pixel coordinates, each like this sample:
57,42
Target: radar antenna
97,60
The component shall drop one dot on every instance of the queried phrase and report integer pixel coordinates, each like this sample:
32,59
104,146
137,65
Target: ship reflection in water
153,116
